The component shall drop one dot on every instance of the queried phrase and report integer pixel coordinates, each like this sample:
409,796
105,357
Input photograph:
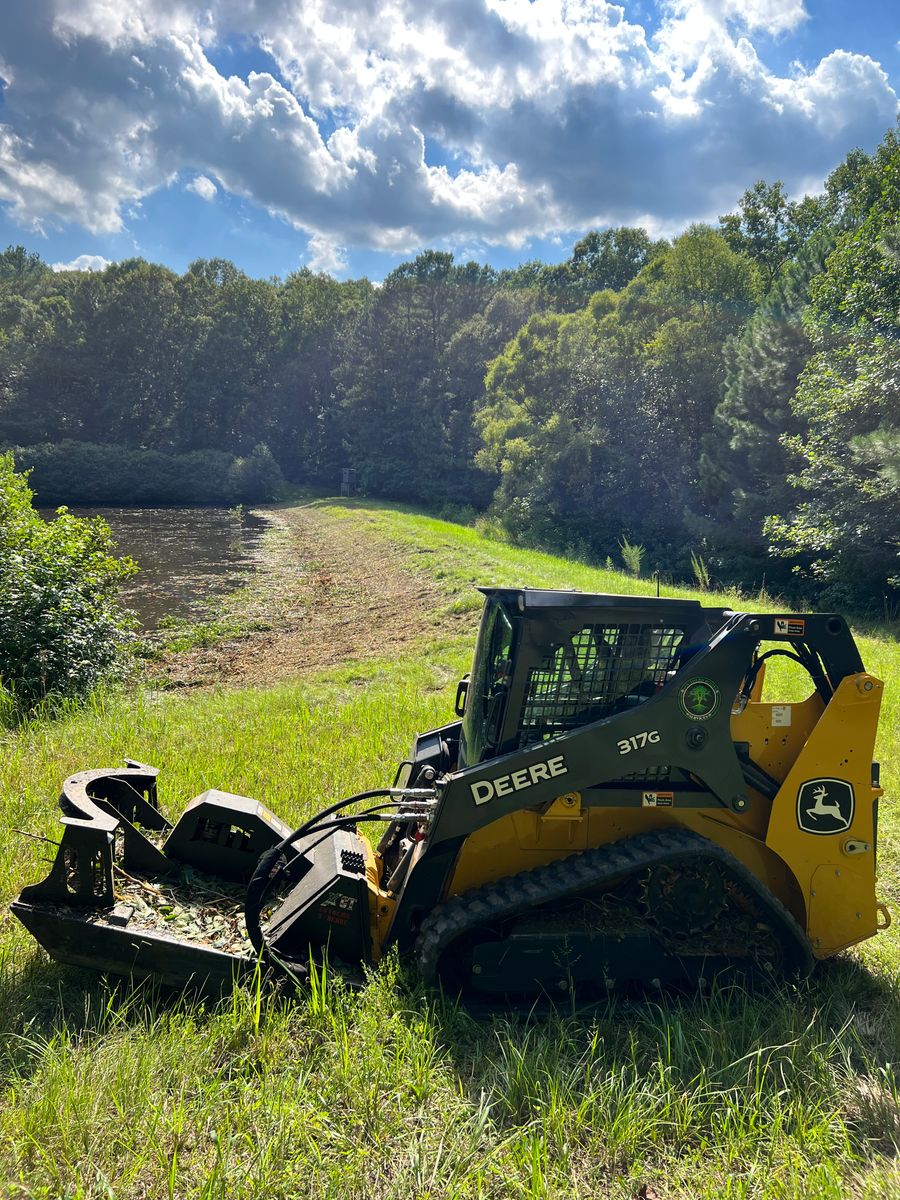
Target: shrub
458,514
492,527
632,556
87,473
701,571
257,477
61,629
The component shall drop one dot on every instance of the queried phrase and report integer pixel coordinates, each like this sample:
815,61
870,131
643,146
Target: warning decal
790,626
657,799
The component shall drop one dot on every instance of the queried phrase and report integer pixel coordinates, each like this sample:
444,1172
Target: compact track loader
615,805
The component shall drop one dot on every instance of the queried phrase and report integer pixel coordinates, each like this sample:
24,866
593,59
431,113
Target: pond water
187,556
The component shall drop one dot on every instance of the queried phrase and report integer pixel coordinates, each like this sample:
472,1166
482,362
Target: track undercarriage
659,910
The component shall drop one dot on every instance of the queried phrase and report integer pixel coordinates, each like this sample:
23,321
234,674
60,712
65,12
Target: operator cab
547,662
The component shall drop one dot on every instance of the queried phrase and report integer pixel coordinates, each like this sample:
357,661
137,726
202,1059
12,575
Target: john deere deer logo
825,806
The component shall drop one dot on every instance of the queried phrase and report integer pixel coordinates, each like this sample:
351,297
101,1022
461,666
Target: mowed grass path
391,1092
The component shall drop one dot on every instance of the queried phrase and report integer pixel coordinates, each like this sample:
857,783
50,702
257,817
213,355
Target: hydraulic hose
273,864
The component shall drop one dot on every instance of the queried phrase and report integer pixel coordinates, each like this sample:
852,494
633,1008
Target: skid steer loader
614,805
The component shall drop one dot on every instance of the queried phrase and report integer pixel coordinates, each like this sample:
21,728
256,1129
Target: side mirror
462,692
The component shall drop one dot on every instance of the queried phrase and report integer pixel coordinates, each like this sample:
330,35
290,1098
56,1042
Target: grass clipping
191,906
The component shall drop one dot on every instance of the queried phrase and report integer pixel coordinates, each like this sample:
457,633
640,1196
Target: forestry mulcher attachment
616,806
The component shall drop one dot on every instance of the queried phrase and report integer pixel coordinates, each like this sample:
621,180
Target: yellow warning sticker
657,799
790,626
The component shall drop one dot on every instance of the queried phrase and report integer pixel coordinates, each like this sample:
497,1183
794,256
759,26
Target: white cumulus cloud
84,262
203,187
394,123
326,254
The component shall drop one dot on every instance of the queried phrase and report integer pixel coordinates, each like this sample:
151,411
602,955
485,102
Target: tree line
728,397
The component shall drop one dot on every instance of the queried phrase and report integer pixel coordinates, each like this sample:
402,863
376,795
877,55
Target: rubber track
605,865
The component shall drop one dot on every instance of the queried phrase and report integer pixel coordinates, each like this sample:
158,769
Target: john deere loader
614,805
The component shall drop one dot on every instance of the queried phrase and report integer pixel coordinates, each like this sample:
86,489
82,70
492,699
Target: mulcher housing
615,804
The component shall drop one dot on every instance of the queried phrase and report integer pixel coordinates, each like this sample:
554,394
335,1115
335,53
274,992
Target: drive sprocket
684,899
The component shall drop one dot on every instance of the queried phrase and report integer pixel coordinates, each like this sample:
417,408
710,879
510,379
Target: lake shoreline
326,590
190,557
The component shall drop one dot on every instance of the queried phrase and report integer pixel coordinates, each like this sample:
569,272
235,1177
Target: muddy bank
329,590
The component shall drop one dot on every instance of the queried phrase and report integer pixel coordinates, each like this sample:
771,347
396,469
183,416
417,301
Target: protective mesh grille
601,670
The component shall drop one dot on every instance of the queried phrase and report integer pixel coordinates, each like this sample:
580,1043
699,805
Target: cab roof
533,598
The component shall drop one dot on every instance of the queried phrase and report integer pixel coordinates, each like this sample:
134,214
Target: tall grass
390,1091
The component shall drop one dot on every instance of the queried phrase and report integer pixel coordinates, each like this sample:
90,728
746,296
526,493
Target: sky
348,137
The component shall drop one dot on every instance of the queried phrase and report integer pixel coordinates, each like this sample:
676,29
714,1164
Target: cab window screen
599,671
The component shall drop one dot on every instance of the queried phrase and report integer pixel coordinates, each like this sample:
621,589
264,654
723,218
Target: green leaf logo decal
699,699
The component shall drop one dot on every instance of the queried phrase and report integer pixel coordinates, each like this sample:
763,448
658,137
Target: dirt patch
330,591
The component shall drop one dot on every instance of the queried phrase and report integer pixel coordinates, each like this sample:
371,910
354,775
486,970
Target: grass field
390,1091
